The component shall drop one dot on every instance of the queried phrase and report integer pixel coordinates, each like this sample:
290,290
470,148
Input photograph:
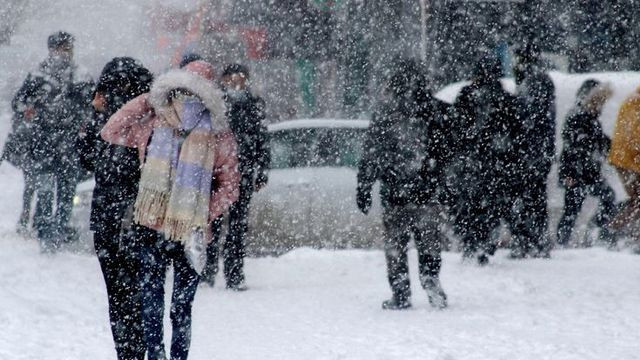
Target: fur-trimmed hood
210,95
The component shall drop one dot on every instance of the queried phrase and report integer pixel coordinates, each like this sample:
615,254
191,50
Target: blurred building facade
312,58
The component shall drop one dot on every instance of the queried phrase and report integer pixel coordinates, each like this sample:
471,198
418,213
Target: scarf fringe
150,207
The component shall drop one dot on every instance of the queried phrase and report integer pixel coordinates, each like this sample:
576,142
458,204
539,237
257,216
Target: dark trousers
66,182
233,252
573,199
400,222
474,222
120,264
27,197
43,214
535,214
50,222
157,254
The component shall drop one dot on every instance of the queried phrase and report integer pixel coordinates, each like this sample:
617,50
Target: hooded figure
117,170
189,177
406,132
584,148
486,130
537,113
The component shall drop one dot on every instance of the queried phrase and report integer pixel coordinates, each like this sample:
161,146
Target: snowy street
309,304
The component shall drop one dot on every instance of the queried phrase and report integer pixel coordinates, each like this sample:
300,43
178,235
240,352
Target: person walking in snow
116,170
406,129
56,101
246,119
536,98
486,158
16,151
625,157
189,177
584,147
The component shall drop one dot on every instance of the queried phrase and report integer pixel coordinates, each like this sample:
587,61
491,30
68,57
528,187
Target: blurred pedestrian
536,97
189,177
246,119
16,151
584,148
407,131
116,170
487,132
625,157
56,100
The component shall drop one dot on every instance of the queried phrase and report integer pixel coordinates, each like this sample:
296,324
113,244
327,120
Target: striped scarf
175,182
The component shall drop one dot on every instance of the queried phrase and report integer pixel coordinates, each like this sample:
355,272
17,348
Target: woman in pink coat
189,177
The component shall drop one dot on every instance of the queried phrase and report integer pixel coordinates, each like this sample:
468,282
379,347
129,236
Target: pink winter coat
133,125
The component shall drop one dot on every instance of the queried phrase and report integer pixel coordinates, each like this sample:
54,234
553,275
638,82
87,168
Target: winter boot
209,273
483,259
396,303
23,224
437,297
241,286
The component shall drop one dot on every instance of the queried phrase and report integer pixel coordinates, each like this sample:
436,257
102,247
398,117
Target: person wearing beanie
56,101
246,119
188,178
116,170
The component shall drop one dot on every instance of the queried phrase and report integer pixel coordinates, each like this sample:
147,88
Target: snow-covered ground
308,304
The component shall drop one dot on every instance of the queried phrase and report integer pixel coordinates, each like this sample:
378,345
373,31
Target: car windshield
316,147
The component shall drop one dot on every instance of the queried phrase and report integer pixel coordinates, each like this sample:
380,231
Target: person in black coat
55,100
487,132
537,112
405,149
584,148
117,171
246,113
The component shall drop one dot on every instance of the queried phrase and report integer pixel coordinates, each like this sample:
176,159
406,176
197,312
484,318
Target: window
332,147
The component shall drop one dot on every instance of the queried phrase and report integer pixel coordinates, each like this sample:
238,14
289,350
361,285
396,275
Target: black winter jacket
246,116
487,136
406,150
536,99
61,100
584,148
116,168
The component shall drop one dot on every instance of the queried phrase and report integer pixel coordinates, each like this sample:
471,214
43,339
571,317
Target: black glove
364,201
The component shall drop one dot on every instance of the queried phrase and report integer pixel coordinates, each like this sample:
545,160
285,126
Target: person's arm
226,176
129,125
369,167
263,148
86,143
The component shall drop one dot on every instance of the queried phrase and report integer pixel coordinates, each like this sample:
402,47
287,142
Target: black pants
157,254
474,222
535,214
233,252
573,199
400,222
120,264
